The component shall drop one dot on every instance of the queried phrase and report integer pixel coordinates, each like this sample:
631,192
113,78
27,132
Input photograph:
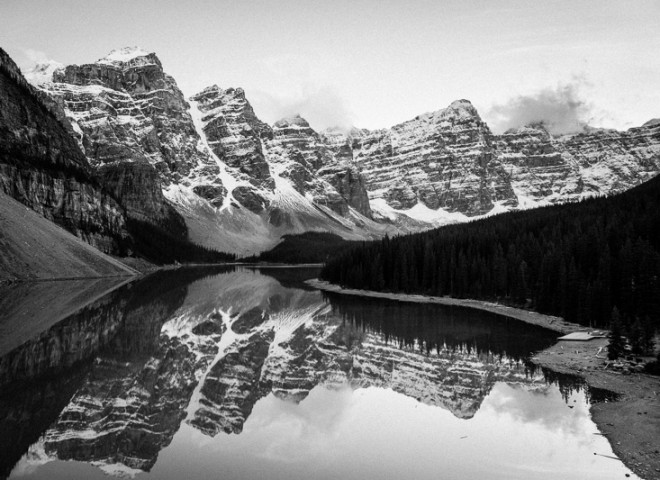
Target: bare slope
33,248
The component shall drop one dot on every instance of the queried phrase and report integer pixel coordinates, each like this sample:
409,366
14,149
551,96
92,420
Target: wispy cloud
35,56
300,85
322,107
561,109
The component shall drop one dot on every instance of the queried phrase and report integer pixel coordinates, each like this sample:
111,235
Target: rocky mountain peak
227,112
231,99
461,111
236,92
216,93
207,94
128,56
43,72
292,121
652,123
535,129
464,105
341,137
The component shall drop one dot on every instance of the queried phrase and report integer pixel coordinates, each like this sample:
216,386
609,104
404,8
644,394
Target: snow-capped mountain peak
124,55
292,121
43,72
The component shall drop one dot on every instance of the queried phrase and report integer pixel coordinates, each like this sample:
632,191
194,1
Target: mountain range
127,145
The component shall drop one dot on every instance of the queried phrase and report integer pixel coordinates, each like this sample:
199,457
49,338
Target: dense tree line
582,261
158,245
308,247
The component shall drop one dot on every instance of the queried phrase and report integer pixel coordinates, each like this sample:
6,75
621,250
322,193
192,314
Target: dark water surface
242,373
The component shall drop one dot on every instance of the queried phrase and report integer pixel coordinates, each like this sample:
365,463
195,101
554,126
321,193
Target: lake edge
633,434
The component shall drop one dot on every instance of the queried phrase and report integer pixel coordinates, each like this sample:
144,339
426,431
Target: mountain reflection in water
140,379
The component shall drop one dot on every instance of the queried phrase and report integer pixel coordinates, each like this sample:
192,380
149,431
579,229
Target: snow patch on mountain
228,180
43,72
123,55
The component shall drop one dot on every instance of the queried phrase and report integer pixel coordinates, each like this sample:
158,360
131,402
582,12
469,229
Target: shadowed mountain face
42,166
199,349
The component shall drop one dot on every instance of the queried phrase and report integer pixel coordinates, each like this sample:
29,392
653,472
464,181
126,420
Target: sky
375,63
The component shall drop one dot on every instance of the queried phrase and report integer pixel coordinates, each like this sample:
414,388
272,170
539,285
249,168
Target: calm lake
241,373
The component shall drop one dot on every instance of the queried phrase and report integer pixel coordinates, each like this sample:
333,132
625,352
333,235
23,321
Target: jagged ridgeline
581,261
242,184
118,208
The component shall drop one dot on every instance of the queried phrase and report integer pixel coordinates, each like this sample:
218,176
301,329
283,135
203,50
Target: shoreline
556,324
146,268
631,424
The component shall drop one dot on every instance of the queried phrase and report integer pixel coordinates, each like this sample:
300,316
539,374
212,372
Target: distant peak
237,92
43,72
294,120
210,89
348,132
216,92
124,55
534,128
550,129
464,106
540,125
458,109
651,123
338,130
462,103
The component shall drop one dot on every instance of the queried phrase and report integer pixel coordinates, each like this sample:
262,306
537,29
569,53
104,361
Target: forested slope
584,261
308,247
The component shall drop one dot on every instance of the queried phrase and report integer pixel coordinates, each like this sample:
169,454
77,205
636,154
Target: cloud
321,106
35,56
561,109
299,84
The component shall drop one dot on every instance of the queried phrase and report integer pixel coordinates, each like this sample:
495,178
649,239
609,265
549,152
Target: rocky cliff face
442,160
230,175
315,170
234,133
127,108
42,166
447,165
130,119
264,162
548,169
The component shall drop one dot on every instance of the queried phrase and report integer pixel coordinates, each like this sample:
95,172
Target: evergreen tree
616,346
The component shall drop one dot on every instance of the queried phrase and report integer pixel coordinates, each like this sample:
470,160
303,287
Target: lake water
240,373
